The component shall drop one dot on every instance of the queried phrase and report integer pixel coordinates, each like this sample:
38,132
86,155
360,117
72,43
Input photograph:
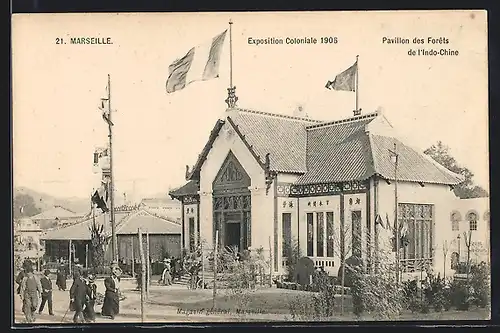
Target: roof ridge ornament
270,176
231,97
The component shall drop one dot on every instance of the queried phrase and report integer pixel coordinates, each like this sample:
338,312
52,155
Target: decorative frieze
291,190
188,200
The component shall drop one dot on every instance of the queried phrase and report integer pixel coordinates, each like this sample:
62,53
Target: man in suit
46,292
78,296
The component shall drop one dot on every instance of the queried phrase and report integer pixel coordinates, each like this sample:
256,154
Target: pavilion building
269,180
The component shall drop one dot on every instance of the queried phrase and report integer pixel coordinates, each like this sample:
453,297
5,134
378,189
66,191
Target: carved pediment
231,174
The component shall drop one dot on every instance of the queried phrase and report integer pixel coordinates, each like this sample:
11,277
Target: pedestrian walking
111,305
19,280
61,278
178,269
88,312
46,292
78,296
30,291
166,278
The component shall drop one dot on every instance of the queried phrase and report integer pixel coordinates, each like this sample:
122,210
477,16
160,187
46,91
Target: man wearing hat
46,292
88,312
111,305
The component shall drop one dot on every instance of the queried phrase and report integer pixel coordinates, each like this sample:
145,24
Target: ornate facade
272,181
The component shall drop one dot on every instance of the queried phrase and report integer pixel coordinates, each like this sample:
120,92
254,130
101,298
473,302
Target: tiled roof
148,223
412,165
322,152
344,150
338,152
80,231
283,137
59,212
190,188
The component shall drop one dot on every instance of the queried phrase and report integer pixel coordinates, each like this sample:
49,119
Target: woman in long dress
166,278
61,278
111,305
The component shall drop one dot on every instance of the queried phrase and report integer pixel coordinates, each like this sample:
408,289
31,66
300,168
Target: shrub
324,301
434,289
459,297
480,282
376,293
293,254
301,309
412,296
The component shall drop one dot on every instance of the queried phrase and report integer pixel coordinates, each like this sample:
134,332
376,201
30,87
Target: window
455,221
198,231
329,233
310,234
287,234
356,233
472,218
320,234
417,228
191,234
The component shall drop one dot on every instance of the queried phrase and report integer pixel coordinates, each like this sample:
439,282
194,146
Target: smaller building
164,239
470,222
27,236
56,217
165,207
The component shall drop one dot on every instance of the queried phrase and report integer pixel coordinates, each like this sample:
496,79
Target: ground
178,304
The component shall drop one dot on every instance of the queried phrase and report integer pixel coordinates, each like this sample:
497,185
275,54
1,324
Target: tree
24,206
465,190
98,245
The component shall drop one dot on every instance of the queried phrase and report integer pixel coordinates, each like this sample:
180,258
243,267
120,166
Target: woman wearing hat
111,305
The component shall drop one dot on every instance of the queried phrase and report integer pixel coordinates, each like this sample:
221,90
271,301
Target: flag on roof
344,81
199,64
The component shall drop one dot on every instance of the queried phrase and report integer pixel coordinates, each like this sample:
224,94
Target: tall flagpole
231,91
114,251
357,110
230,53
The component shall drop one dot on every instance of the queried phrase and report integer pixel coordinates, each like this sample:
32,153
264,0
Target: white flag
199,64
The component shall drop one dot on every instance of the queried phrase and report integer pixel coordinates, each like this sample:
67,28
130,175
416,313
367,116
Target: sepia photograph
250,167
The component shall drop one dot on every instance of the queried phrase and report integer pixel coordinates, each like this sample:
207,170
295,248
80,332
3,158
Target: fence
251,266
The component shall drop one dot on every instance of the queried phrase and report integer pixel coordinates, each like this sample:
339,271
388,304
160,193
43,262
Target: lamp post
459,254
394,159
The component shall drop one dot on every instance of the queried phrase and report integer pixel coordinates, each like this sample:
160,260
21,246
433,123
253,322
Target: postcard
250,167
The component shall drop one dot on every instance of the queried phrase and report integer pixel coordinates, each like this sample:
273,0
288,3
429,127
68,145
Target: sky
57,88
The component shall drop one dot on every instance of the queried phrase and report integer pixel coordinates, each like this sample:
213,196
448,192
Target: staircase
185,279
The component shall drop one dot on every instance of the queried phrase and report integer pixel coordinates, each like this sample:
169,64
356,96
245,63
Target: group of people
83,293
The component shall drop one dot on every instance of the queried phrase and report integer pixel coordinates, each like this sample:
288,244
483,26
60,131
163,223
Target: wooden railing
327,263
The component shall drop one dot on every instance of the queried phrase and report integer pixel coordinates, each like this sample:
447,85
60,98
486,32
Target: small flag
98,199
345,80
104,107
201,63
378,220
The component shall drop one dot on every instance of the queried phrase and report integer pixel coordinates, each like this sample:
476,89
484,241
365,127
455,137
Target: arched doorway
232,205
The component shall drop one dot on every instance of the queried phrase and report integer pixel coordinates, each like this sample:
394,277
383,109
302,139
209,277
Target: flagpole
231,91
114,251
357,110
230,53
